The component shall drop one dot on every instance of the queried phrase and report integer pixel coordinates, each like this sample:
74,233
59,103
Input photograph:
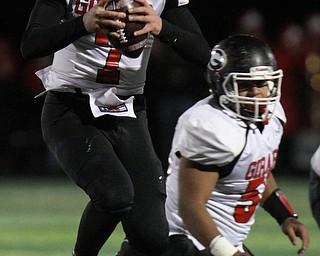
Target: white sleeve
211,139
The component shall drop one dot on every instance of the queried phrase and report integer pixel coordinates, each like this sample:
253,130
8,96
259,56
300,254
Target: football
128,44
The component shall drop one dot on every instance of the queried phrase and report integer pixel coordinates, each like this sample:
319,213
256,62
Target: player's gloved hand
293,229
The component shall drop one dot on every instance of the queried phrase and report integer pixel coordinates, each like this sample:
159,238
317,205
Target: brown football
128,44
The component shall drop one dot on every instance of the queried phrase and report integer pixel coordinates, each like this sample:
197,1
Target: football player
314,185
223,153
94,115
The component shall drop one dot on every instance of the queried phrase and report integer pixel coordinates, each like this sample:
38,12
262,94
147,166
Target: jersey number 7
110,73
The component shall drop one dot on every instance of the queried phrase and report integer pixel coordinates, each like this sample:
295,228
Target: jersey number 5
243,212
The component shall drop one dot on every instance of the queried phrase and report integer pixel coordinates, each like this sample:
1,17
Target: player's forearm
190,46
275,203
198,222
270,187
182,33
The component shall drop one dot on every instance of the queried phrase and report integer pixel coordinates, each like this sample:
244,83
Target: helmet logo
218,59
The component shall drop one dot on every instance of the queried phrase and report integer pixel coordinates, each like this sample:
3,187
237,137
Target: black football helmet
244,58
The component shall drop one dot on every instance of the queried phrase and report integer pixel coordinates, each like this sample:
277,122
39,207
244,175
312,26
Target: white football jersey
92,64
211,136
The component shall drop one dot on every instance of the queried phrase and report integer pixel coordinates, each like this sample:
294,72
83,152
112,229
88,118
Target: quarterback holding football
94,117
223,153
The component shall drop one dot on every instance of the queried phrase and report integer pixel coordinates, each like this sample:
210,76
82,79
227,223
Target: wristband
278,207
220,246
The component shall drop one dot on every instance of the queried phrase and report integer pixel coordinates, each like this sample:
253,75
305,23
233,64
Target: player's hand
146,14
293,229
98,18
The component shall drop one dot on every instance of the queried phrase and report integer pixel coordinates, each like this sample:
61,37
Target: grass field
39,217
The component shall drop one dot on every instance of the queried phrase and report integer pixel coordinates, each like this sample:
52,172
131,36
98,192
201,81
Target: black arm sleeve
278,207
181,31
45,33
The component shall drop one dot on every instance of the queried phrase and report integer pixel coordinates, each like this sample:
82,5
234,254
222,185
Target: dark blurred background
291,28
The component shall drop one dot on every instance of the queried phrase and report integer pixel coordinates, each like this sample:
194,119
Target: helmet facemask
242,75
252,108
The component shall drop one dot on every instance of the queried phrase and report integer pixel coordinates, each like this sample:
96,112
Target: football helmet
244,59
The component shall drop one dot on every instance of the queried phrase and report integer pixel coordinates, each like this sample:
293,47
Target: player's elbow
24,53
31,45
26,49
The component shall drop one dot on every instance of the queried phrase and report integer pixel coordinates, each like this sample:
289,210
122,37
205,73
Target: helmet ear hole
217,63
